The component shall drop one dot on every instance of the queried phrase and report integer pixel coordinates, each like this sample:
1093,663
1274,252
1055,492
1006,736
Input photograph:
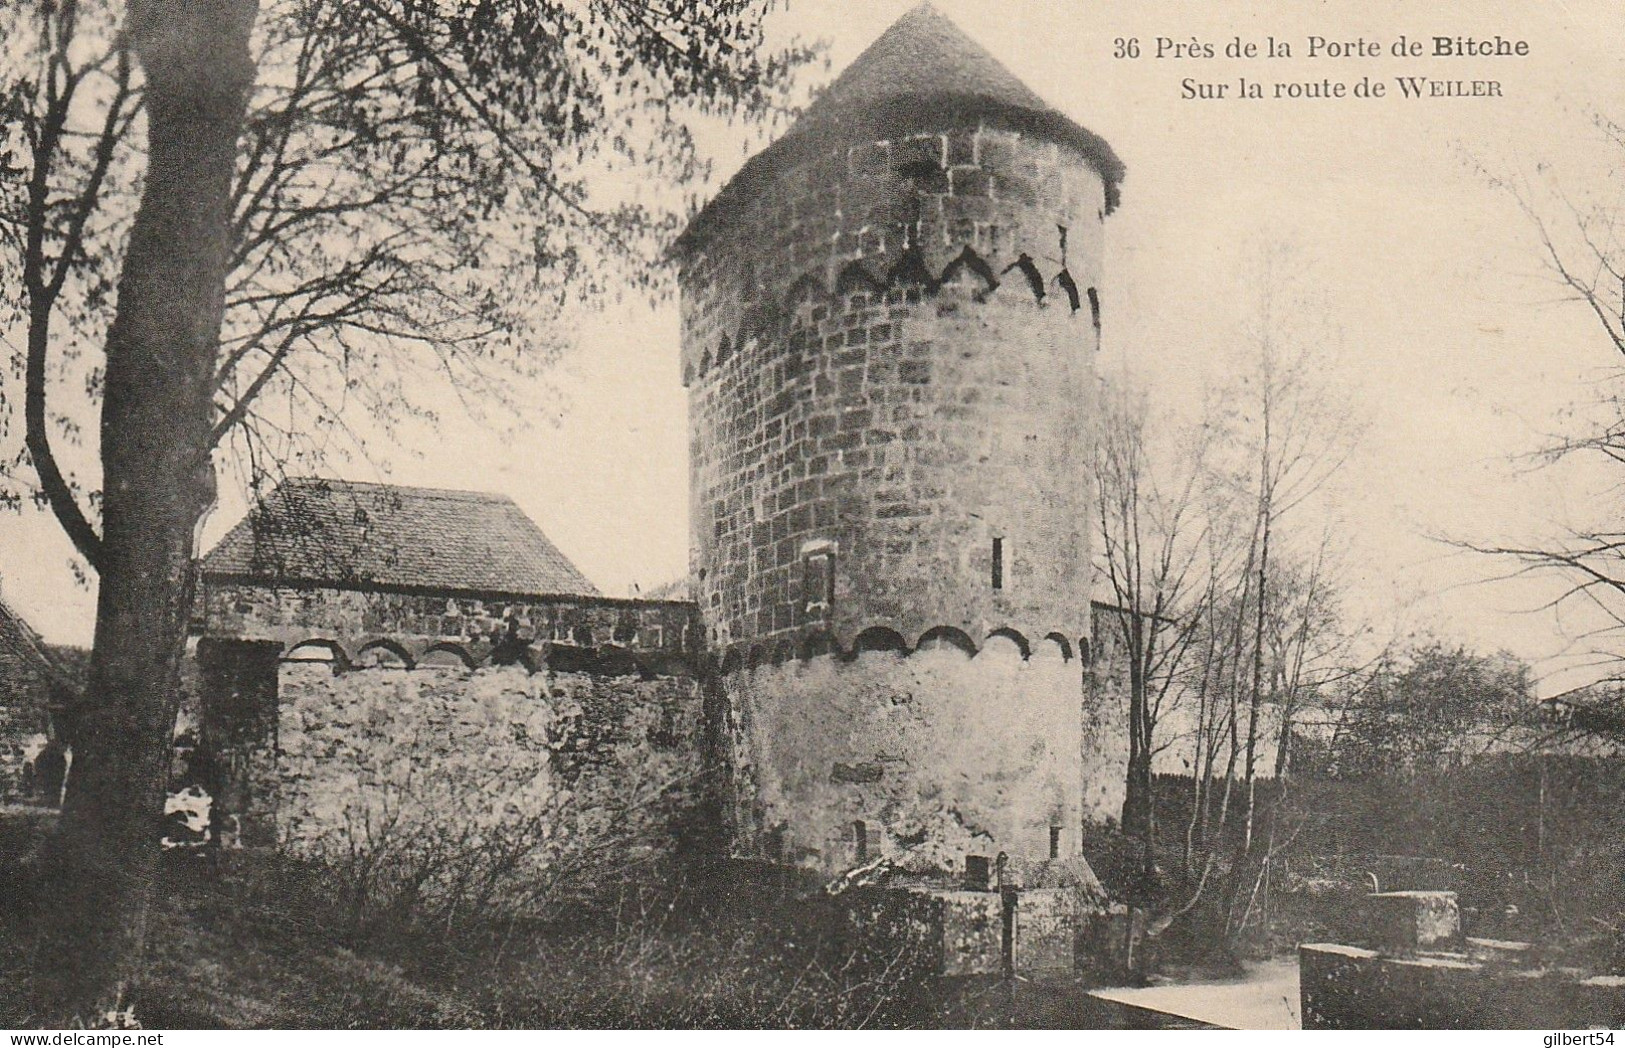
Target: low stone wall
1351,988
958,932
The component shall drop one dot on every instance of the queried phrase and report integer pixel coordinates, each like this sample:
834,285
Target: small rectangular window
818,580
860,840
998,563
1055,842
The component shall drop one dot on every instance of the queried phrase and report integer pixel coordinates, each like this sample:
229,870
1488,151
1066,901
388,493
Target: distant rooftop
22,649
349,533
924,73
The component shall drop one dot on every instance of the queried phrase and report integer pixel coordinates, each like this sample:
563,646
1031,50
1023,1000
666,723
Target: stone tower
889,320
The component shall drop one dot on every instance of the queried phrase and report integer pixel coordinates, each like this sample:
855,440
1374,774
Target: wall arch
807,290
946,636
375,653
318,649
880,638
1058,642
968,262
855,278
445,654
1015,637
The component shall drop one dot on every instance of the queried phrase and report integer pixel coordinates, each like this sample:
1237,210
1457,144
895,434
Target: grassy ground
256,942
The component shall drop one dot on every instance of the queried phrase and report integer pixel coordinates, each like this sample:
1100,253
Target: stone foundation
1025,931
1423,975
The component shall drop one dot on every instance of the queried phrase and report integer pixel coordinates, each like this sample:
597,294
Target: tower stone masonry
889,320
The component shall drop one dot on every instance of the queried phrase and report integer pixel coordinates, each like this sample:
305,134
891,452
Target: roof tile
352,533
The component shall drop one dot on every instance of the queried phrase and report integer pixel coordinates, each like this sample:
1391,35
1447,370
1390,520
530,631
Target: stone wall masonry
996,191
465,624
25,696
900,425
22,736
451,757
907,458
938,755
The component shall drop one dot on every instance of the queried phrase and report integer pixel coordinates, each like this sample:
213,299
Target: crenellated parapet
414,622
772,321
910,214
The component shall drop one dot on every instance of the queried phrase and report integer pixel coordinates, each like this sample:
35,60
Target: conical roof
922,74
923,54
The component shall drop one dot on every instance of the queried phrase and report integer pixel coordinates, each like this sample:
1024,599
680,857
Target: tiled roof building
352,533
361,568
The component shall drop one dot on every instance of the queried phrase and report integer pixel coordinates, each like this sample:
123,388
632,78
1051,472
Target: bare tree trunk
1266,517
1197,784
1139,805
158,483
1257,697
1208,743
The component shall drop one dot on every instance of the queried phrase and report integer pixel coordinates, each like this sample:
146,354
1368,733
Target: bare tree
1265,634
1297,434
1583,251
1151,530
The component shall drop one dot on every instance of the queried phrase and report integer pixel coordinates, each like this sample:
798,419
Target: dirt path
1265,999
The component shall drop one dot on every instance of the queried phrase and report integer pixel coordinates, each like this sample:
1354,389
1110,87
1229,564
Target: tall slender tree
331,197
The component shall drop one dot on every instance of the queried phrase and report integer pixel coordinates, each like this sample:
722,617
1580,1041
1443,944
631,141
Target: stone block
1046,930
1414,920
969,932
1349,988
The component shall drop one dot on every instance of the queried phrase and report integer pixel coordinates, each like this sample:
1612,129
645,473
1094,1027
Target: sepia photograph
811,515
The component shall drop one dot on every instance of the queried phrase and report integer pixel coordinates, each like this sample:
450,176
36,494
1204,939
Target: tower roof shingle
922,54
350,533
923,73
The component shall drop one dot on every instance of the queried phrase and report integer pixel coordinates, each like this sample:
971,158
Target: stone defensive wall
324,710
306,747
361,625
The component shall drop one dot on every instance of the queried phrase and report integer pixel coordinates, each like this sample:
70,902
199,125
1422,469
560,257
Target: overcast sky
1447,335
